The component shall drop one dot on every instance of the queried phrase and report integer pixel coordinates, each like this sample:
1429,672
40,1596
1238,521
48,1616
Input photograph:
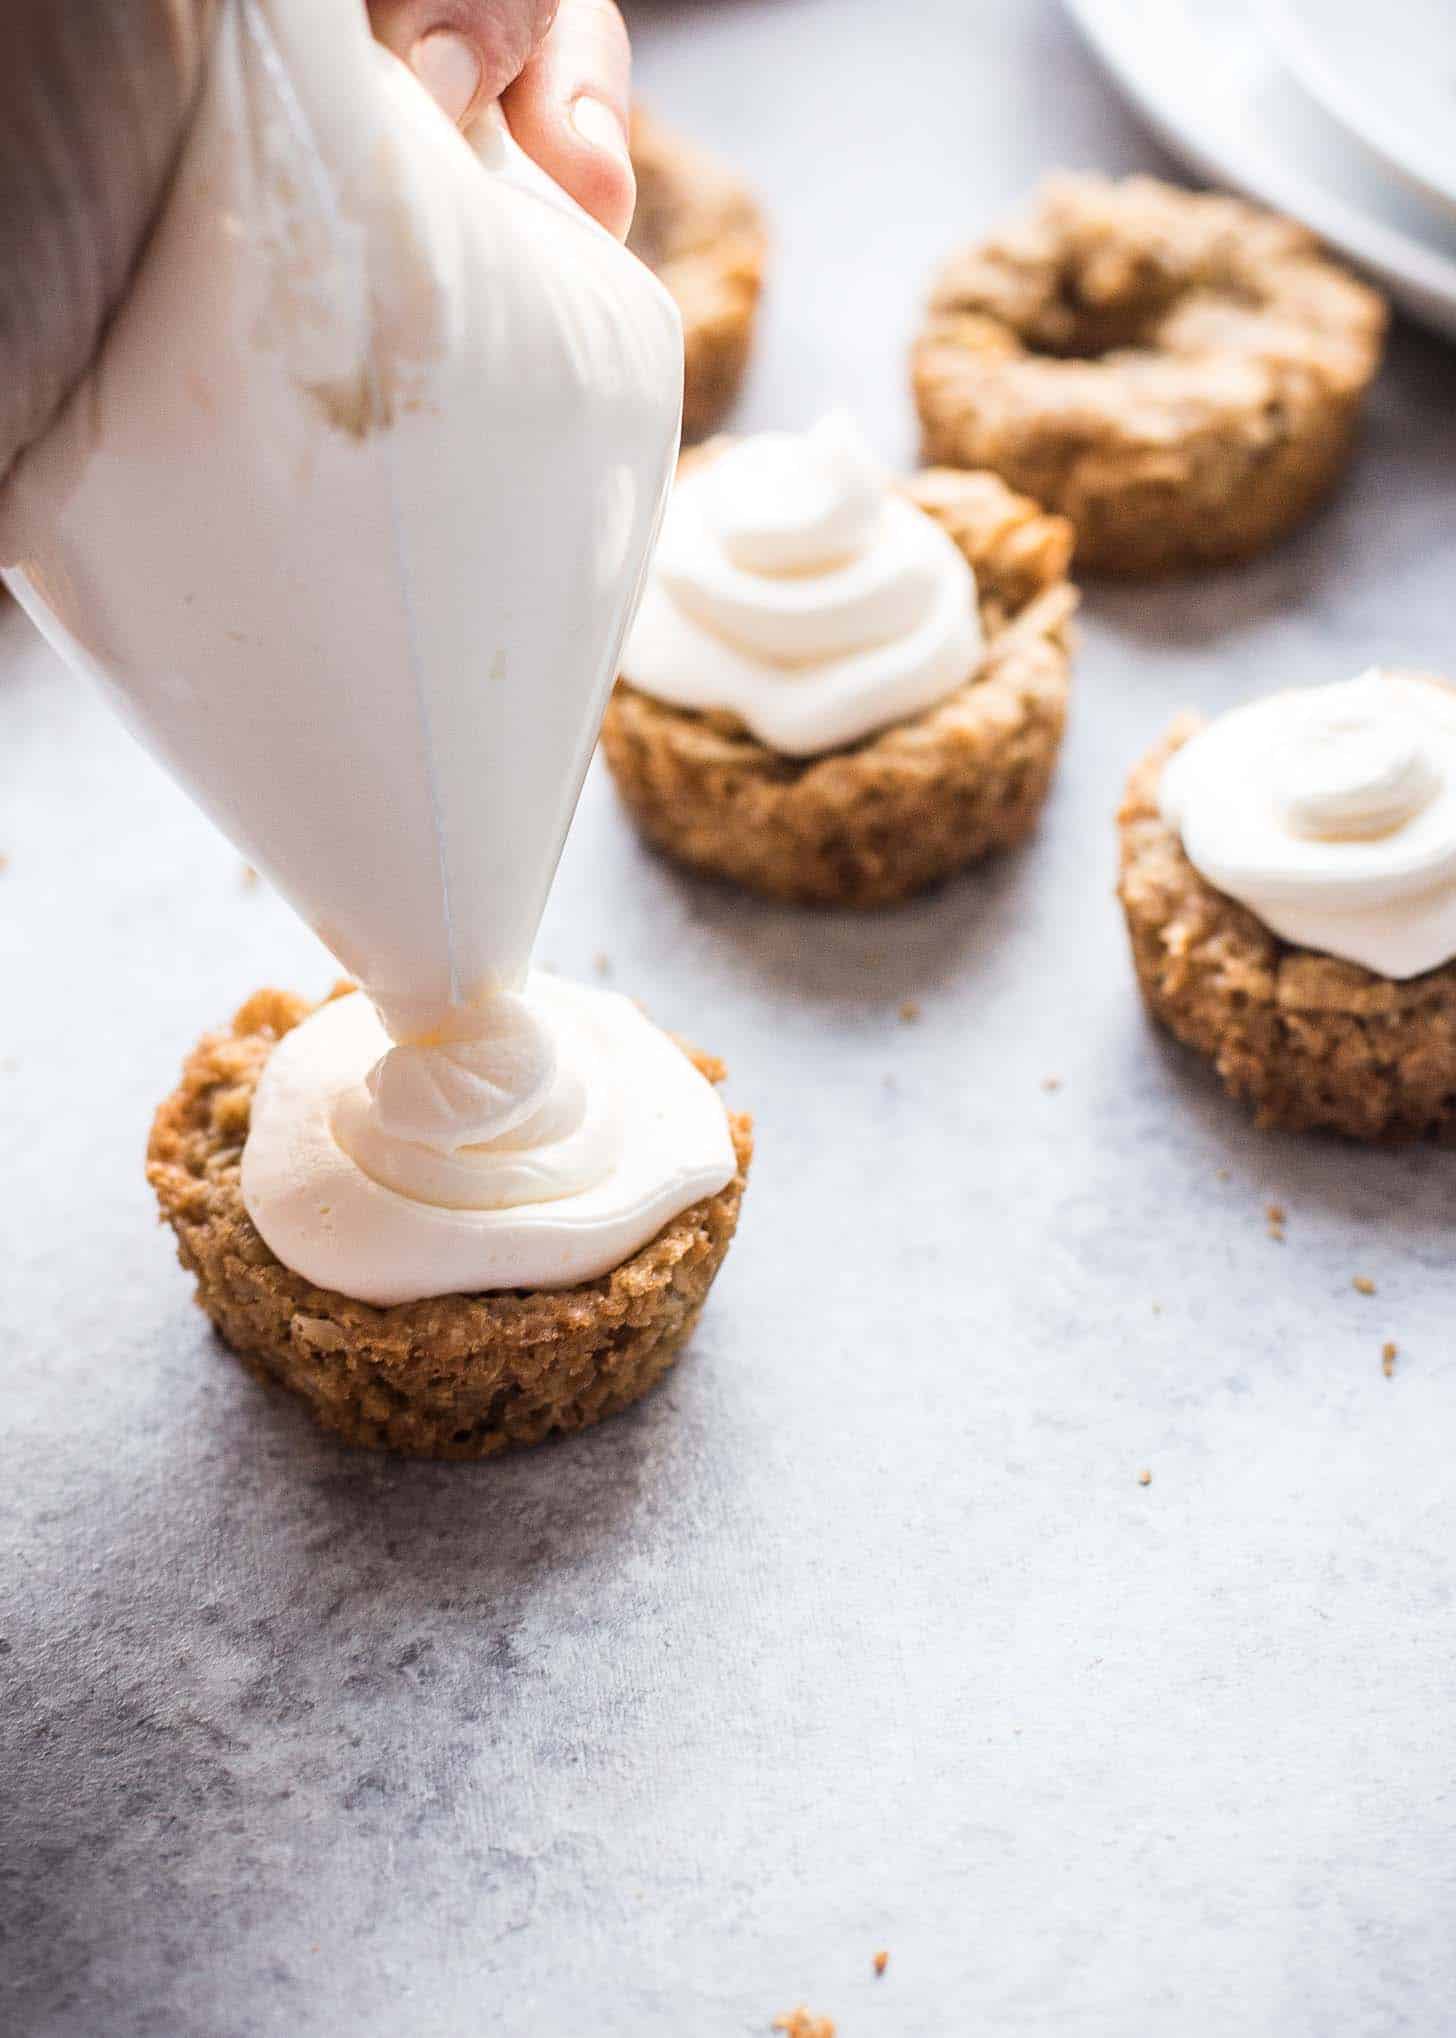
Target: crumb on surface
250,877
1363,1285
1274,1219
910,1011
798,2023
882,1961
1051,1082
602,963
1389,1353
1225,1175
1145,1477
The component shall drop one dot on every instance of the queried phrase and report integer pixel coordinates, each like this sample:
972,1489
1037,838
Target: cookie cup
455,1376
878,820
1309,1041
1179,373
700,229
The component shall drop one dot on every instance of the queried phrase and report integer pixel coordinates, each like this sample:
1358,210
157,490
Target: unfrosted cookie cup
454,1376
878,820
1179,373
700,229
1309,1041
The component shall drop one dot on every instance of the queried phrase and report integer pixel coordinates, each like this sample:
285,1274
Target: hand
563,82
96,97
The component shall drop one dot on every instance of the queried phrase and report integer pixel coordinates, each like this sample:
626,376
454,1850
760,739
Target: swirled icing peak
1359,772
1330,812
784,502
794,588
504,1105
477,1077
598,1131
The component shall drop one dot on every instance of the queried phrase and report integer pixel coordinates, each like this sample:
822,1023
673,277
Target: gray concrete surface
862,1633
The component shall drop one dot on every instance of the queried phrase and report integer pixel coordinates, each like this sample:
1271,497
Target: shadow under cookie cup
455,1376
1310,1041
701,231
876,821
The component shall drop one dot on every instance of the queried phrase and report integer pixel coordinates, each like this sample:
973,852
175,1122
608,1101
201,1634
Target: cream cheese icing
350,520
495,1109
508,1212
1330,812
793,587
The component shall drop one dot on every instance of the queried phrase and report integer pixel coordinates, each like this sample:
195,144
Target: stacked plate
1337,112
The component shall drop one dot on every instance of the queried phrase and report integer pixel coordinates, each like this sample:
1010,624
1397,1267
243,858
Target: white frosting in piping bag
795,588
1330,812
350,520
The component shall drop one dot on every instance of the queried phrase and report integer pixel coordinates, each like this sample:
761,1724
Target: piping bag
352,514
350,519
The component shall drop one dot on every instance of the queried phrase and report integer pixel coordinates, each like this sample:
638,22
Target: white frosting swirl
1330,812
794,588
490,1112
598,1130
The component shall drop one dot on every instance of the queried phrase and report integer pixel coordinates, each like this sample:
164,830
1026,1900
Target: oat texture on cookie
1308,1041
875,821
699,227
457,1376
1178,372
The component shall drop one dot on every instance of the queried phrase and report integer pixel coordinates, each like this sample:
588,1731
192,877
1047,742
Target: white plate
1388,74
1207,78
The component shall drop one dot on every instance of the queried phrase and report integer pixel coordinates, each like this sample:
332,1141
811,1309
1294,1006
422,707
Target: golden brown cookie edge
713,262
459,1376
1309,1042
1144,505
872,824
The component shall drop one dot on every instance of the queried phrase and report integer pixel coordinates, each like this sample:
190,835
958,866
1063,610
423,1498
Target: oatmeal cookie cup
456,1376
1311,1042
1179,373
872,823
700,229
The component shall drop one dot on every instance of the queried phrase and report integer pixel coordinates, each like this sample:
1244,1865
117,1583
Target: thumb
464,51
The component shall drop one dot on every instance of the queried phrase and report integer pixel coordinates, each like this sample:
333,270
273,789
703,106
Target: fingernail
596,123
449,69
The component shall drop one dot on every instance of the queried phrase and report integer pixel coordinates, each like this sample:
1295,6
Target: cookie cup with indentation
1309,1041
702,231
455,1376
1180,373
878,820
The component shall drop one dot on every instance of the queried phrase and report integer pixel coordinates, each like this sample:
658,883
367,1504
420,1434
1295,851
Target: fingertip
583,147
603,180
568,109
450,69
